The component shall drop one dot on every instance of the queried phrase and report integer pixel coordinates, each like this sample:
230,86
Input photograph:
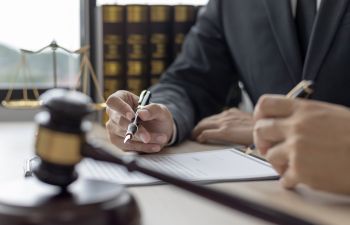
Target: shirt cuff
173,137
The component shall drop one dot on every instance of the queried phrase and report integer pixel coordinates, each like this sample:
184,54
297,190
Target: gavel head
61,135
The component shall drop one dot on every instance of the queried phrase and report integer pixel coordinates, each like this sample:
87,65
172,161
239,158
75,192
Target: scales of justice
86,71
57,196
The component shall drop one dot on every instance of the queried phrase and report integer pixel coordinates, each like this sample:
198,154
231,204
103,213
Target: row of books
136,43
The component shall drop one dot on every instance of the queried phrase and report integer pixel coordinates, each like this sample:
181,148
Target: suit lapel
325,28
283,28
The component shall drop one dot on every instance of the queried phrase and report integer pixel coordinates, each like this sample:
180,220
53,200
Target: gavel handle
101,151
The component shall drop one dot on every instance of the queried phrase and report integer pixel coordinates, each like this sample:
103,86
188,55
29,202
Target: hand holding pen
304,89
306,141
150,124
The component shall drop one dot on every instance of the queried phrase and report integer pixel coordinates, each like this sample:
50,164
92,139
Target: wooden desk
165,204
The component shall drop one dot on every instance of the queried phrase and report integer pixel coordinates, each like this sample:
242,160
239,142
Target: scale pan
21,104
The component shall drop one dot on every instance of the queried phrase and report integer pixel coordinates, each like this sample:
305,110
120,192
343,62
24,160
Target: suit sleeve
197,84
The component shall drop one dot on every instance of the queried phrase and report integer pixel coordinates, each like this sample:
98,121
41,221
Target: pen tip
127,138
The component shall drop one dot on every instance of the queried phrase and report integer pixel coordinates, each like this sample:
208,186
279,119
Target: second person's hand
231,126
154,131
306,141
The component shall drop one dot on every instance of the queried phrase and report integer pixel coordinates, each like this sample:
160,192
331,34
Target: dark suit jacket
255,41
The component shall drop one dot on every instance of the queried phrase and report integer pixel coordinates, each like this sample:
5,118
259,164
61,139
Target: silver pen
144,100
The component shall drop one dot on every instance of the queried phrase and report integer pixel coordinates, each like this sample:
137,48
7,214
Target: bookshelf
137,40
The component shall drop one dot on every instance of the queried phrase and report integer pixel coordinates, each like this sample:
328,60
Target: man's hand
154,132
305,141
230,126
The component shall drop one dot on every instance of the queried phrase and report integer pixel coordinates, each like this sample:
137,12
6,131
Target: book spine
137,44
184,18
160,40
114,43
113,49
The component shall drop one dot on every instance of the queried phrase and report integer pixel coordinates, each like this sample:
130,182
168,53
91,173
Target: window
32,25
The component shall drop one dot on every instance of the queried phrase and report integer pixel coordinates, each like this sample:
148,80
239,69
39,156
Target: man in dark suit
268,45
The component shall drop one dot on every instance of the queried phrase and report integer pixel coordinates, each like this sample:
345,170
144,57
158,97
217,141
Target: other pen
302,90
144,100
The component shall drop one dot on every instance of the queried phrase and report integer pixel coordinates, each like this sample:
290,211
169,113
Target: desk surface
165,204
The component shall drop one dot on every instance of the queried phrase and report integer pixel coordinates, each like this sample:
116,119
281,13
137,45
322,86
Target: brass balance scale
23,69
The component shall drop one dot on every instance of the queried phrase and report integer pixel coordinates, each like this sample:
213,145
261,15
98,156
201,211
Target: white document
209,166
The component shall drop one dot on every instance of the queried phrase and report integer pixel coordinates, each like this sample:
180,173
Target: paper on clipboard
205,167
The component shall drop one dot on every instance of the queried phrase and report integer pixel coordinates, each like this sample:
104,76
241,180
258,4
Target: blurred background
34,24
